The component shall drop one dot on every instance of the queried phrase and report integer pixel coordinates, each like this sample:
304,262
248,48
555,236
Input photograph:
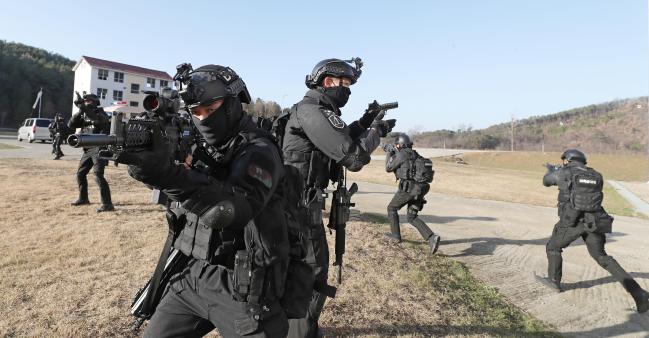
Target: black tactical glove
151,167
370,114
383,126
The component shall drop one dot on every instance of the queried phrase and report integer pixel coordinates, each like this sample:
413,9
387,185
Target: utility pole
40,103
512,134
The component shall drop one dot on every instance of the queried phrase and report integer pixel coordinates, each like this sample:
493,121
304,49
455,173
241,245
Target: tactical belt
297,156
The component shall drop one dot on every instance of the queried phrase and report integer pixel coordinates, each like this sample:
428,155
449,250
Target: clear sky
448,63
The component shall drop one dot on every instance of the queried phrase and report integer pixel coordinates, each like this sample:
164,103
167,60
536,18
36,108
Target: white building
118,85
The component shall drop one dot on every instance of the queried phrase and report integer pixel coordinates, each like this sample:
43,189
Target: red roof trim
126,68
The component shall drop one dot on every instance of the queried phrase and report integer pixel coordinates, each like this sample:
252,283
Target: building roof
99,63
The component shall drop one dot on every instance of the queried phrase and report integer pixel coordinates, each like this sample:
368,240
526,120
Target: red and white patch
260,175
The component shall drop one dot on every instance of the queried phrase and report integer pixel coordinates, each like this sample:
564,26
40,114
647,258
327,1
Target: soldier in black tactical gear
581,215
227,216
58,131
318,143
93,120
413,186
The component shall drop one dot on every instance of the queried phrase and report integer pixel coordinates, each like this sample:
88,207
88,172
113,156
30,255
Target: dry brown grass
513,177
70,272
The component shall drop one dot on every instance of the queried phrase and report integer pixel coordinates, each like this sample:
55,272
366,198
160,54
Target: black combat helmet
92,97
210,83
403,141
334,68
574,155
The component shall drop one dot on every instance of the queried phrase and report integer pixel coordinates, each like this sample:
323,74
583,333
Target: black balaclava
338,95
222,125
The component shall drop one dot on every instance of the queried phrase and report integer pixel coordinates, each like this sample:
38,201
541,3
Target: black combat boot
80,201
641,301
106,207
640,296
552,284
433,242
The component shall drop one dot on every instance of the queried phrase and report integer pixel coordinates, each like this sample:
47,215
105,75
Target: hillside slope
616,126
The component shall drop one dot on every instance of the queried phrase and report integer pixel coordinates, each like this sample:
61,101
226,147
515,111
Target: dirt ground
503,244
70,272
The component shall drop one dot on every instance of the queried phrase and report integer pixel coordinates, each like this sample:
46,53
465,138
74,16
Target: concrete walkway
639,204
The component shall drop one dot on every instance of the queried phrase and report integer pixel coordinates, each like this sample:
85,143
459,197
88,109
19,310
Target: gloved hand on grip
370,115
383,126
149,166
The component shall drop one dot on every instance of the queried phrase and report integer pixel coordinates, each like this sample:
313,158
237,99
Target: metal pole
40,103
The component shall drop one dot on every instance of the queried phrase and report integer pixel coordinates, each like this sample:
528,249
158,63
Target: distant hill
616,126
24,70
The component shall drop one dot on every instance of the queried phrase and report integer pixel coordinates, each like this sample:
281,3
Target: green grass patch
4,146
477,307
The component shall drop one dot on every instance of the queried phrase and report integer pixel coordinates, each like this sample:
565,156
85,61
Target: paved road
504,245
35,150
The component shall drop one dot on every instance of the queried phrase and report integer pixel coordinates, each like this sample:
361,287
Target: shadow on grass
383,330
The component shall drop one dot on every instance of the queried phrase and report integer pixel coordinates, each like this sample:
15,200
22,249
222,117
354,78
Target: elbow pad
356,158
219,206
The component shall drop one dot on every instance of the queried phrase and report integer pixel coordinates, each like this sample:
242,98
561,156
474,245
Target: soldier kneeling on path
415,173
581,215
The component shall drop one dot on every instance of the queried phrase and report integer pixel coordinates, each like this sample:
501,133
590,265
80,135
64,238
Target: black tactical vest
218,246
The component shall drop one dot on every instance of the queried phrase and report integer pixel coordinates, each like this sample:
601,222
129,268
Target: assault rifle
339,215
388,148
551,167
79,101
137,133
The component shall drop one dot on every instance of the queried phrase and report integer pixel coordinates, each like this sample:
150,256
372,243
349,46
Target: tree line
23,71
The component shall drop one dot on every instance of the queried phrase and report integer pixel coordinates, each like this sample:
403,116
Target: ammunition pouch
600,222
314,204
568,216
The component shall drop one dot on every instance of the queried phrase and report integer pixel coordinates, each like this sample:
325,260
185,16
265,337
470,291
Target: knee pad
604,261
412,214
550,251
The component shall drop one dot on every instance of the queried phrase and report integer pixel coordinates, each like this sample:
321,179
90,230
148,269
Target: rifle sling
153,296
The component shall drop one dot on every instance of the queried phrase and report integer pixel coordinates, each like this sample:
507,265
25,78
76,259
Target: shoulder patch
333,119
261,175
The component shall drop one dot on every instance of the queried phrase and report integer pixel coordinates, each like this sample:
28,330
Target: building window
119,77
150,82
102,74
101,92
134,103
135,88
117,95
164,83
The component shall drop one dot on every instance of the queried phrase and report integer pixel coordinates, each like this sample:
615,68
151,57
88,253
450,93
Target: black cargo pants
563,236
90,160
414,198
200,299
318,259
